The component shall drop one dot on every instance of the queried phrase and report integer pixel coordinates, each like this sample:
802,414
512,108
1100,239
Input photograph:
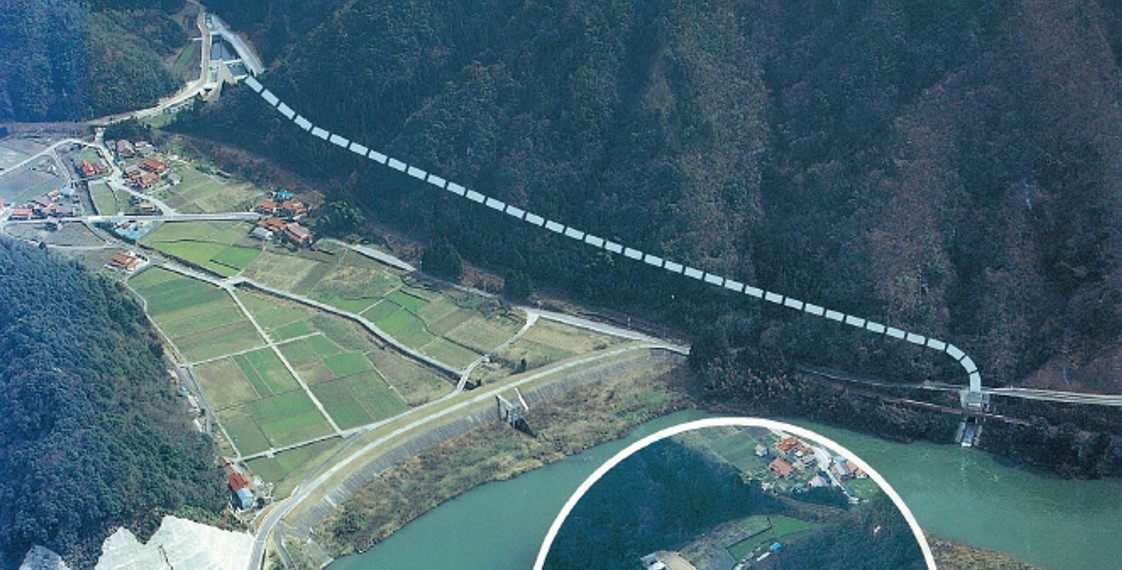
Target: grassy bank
574,421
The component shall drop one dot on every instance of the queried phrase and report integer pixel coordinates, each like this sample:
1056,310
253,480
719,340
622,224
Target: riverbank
957,556
569,423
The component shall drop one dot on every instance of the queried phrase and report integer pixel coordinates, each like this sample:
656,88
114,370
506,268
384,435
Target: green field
283,419
224,383
286,469
346,382
265,372
201,320
451,326
201,193
781,528
107,201
220,247
544,343
357,381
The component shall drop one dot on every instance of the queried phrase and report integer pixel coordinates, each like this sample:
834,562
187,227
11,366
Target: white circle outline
734,422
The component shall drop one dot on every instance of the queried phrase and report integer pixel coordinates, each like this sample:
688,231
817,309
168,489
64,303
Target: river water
962,494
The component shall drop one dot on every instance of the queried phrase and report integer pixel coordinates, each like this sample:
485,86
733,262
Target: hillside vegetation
64,60
93,434
952,169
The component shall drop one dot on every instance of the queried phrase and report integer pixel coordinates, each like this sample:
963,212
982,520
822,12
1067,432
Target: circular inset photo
735,493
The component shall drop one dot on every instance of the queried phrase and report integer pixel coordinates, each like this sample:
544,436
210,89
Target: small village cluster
283,213
793,458
56,204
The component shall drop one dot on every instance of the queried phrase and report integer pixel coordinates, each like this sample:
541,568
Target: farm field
29,181
273,421
201,193
220,247
544,343
357,380
201,320
451,326
108,202
286,469
68,234
768,529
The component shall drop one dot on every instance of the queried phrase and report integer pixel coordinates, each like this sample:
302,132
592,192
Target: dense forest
657,499
93,434
872,536
953,169
65,60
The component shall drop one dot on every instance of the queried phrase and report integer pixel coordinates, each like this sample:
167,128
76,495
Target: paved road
184,94
48,150
375,255
228,217
467,401
970,369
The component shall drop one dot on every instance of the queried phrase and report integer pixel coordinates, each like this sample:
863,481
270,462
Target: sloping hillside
952,169
93,435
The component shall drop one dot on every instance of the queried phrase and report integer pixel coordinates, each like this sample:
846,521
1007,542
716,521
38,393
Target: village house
54,195
293,208
144,148
125,260
85,169
780,468
267,207
282,195
144,180
156,166
262,233
21,214
298,234
275,225
125,149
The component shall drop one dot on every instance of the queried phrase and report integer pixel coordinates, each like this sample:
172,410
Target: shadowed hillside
953,169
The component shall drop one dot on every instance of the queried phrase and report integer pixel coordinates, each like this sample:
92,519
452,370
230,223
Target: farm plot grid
220,247
350,373
452,326
201,320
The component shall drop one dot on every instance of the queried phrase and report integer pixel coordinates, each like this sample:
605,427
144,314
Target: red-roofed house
294,208
780,468
298,234
275,225
154,165
267,207
21,214
126,260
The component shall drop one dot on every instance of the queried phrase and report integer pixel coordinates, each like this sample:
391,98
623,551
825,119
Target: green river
962,494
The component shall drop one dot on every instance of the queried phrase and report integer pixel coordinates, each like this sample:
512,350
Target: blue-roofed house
245,497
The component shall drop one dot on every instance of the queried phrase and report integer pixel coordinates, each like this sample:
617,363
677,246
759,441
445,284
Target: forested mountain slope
954,169
92,435
66,60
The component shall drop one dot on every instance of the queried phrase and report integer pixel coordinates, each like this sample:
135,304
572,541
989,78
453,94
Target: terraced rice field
201,320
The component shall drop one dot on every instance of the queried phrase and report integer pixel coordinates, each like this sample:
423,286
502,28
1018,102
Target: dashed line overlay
557,227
